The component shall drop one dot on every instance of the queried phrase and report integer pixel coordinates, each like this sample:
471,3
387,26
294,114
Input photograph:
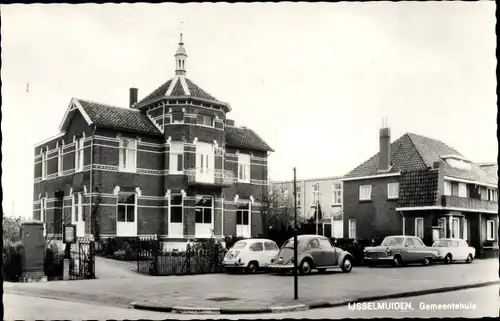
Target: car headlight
388,251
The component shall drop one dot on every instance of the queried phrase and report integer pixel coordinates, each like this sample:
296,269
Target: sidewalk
229,293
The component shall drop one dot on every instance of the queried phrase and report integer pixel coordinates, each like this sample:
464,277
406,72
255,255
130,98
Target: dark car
313,252
398,250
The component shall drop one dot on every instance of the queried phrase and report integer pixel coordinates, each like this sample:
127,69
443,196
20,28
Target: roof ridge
416,148
104,104
438,141
258,136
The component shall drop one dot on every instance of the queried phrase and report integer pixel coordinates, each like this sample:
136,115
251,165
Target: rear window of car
289,244
257,247
270,246
442,243
239,245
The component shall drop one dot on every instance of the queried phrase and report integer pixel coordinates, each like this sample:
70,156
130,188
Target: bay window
205,120
176,157
204,216
128,154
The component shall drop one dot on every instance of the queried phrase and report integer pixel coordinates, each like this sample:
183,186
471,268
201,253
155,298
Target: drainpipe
91,165
404,222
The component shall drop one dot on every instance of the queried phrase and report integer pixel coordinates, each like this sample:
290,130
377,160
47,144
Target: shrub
53,264
11,228
122,248
12,262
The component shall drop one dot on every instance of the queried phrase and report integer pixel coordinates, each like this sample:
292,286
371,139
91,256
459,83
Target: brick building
420,186
322,195
171,164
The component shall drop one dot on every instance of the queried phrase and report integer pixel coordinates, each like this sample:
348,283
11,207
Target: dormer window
458,162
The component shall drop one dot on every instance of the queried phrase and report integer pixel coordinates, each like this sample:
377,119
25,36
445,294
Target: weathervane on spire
180,58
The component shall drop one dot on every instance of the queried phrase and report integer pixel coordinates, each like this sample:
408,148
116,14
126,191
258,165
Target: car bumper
378,259
281,266
232,264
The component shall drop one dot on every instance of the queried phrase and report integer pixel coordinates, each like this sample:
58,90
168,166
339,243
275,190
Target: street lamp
317,208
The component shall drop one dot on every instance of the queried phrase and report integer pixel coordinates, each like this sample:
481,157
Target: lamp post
317,208
295,269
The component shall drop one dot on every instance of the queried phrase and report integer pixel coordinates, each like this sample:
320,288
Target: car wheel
252,267
427,261
305,267
469,259
346,265
397,262
447,259
322,270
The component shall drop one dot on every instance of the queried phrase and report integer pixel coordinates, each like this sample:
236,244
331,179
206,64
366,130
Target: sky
314,80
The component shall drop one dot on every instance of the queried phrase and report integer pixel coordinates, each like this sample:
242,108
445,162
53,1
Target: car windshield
239,246
442,243
289,244
393,241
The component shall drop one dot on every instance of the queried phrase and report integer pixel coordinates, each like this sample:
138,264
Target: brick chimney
133,97
229,122
385,147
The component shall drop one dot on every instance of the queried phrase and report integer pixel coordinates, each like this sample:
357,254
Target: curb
301,306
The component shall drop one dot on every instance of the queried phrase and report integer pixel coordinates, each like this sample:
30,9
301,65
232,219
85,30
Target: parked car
454,250
399,250
250,255
313,252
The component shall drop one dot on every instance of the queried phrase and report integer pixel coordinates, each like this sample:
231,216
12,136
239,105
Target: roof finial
180,57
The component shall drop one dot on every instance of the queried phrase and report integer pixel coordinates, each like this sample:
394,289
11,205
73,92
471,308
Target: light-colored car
250,255
399,250
313,252
454,250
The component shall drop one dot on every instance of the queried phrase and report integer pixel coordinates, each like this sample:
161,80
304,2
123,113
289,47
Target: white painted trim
172,85
50,139
422,220
75,102
460,180
455,156
426,208
369,177
184,85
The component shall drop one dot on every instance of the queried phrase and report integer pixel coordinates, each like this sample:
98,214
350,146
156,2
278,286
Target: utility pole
295,269
317,208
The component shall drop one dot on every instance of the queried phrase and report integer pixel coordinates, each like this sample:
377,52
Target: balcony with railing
468,203
209,176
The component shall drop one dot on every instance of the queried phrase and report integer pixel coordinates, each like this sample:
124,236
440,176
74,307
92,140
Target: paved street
260,290
19,307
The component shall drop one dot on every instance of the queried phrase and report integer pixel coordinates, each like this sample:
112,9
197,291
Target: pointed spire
180,58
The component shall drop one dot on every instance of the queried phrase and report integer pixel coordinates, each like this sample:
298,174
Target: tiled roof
245,138
423,183
413,152
118,117
177,90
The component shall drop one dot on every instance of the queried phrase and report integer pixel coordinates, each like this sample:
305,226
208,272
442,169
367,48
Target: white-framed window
44,163
243,220
392,190
60,160
419,227
462,190
77,208
79,154
352,229
299,194
337,194
128,154
43,208
204,209
447,188
243,168
365,192
465,227
492,195
205,120
484,192
176,216
315,195
176,164
126,207
490,230
455,228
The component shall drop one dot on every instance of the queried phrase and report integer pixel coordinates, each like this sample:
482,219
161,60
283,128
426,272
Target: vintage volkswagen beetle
313,252
398,250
